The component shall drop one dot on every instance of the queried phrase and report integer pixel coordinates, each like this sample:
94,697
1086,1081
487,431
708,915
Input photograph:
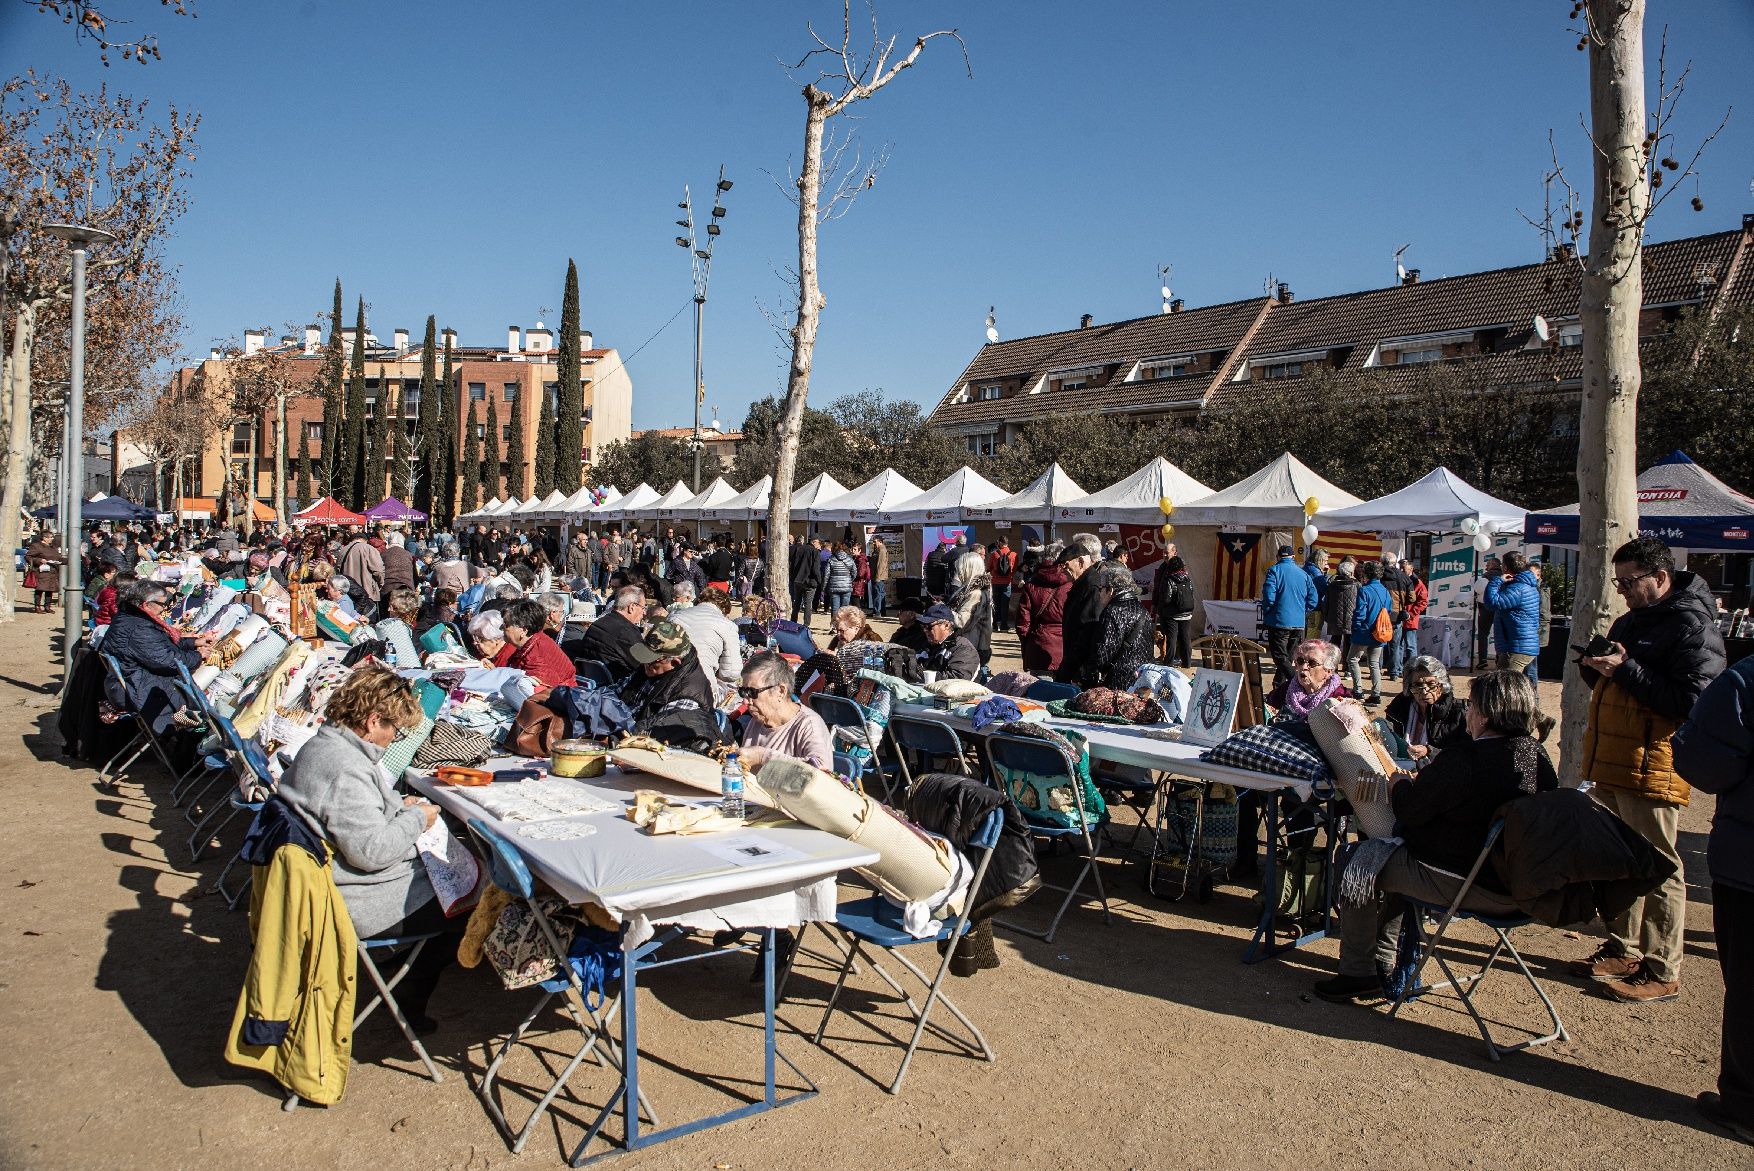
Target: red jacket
542,660
1418,601
993,566
1040,607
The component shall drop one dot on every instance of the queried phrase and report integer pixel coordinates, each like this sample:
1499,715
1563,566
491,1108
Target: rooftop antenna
992,327
1163,271
1400,269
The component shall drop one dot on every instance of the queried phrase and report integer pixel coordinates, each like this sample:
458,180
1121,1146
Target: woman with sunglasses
781,725
1428,714
1315,676
337,783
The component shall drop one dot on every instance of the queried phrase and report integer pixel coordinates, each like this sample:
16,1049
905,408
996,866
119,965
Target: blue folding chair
1015,758
839,712
196,785
1048,690
1468,985
596,673
930,742
144,737
876,922
509,871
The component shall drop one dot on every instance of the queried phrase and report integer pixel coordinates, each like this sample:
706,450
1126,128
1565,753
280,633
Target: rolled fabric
204,675
273,685
263,654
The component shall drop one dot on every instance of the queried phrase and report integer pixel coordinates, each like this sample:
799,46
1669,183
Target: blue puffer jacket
1373,599
1288,595
1516,613
1714,751
1321,582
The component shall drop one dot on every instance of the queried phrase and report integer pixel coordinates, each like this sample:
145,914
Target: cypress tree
514,452
377,435
471,464
334,379
427,451
569,433
448,440
490,481
303,484
352,479
545,447
397,446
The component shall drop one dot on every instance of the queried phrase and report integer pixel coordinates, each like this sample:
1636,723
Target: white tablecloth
1242,618
645,881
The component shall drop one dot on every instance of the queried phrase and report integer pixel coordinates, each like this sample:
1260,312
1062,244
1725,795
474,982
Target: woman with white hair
1428,714
488,630
1124,635
971,598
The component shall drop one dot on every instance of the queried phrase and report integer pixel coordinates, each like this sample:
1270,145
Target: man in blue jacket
1373,600
1286,601
1515,599
1714,751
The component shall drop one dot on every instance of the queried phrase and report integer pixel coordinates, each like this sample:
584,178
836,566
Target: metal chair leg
389,1001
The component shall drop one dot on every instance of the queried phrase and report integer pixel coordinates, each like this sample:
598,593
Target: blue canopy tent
108,508
1678,501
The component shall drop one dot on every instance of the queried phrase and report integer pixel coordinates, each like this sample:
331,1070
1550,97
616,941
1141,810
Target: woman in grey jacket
335,781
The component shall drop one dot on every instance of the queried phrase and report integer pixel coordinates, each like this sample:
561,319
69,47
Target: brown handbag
536,729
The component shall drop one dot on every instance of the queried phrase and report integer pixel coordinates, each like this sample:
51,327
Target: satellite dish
1541,330
992,335
1166,293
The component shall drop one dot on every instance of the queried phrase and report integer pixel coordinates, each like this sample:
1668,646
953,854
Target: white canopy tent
617,509
749,504
1271,498
673,495
1037,502
716,492
819,492
884,491
547,508
484,510
1438,503
1137,499
574,507
506,508
951,499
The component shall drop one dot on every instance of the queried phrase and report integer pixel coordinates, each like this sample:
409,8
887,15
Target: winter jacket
1673,650
1446,721
1320,580
1447,809
715,643
544,662
686,569
607,641
581,561
955,807
1001,564
937,569
1564,858
1373,599
1340,606
1041,606
841,571
1288,595
398,568
1516,613
879,559
1172,595
801,566
363,567
1714,751
1123,644
294,1018
684,687
1415,602
1080,623
973,605
148,657
954,658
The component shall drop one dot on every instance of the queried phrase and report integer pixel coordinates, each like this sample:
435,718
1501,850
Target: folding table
778,874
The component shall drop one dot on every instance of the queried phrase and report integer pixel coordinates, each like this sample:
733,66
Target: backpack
1383,629
1002,563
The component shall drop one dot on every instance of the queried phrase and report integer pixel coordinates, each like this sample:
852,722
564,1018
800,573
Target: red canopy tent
326,512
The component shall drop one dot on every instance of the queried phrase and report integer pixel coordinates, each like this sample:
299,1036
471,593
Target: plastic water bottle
731,787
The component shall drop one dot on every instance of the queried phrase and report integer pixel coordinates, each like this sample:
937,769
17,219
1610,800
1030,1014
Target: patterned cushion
1266,749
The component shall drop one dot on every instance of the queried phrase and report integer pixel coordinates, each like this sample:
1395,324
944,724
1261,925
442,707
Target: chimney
1175,306
401,336
539,340
1085,321
1412,277
313,338
1748,221
586,341
1285,295
213,355
448,338
511,339
253,339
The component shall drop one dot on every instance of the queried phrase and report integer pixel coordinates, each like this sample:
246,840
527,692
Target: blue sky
446,157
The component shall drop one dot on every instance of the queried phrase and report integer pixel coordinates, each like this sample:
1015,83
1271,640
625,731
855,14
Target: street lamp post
702,260
80,238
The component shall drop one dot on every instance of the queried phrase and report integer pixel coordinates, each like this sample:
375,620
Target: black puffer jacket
1080,622
1563,858
1673,649
1447,810
1714,751
1123,644
955,806
1446,724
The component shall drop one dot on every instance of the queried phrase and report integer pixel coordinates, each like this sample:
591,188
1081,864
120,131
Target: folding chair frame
1000,746
899,730
144,737
835,716
1468,985
984,840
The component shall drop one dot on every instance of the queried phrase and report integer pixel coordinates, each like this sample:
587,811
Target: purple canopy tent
393,510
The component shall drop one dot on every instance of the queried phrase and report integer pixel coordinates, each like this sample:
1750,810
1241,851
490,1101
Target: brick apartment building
1508,326
515,377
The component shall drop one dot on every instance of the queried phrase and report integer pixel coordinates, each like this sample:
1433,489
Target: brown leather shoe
1643,988
1604,964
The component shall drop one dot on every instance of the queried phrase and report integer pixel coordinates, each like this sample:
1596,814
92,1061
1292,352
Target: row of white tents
1273,497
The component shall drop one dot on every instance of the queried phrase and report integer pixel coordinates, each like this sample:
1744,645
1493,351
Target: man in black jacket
947,653
801,567
1714,751
1081,618
612,637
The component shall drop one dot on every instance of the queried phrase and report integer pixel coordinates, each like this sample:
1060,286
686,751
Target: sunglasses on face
1625,583
755,692
1307,663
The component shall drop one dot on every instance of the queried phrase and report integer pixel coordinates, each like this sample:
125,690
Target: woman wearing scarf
1315,667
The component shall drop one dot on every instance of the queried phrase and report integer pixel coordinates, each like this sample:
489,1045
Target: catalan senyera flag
1360,547
1237,576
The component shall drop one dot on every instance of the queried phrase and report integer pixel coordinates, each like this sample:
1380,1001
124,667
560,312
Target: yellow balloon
1311,506
1165,506
1168,531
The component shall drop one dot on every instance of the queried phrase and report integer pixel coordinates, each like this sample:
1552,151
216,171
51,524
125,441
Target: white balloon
1310,533
1483,541
1470,526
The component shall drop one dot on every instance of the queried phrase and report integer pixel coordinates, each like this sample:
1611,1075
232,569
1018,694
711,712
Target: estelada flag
1361,547
1237,576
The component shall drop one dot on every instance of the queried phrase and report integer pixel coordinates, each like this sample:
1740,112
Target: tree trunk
280,460
810,302
1612,297
17,408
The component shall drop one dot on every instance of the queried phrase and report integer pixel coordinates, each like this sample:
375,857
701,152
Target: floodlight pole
80,238
702,261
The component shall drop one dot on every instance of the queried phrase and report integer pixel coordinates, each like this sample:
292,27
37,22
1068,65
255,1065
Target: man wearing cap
667,676
1081,615
948,653
1287,597
908,631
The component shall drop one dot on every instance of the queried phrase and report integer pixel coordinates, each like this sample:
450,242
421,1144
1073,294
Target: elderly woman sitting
402,610
336,782
1428,714
537,654
1315,676
487,629
782,726
148,651
1444,815
850,626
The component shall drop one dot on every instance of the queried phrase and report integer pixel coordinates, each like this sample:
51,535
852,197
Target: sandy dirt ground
1144,1042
